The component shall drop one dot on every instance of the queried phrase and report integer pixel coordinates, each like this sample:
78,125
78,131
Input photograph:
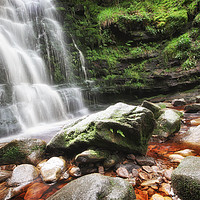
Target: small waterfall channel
82,59
28,28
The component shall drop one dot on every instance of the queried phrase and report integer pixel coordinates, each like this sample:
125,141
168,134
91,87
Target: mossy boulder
107,158
186,179
91,155
120,127
157,110
96,186
168,123
22,151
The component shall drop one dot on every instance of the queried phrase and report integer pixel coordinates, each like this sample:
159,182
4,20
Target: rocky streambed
125,152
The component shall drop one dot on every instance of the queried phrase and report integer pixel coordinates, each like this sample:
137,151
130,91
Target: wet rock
143,176
193,108
156,170
130,157
168,123
195,122
151,191
178,102
176,158
65,176
186,179
52,169
132,181
120,128
157,197
88,170
148,169
185,152
129,166
95,186
165,188
168,173
157,111
145,161
122,172
192,137
22,151
91,155
150,182
23,174
111,161
4,175
75,172
79,9
135,173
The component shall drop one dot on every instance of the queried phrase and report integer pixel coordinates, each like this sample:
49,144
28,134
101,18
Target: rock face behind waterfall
120,127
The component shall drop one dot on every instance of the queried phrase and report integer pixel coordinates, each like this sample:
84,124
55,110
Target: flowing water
82,59
29,30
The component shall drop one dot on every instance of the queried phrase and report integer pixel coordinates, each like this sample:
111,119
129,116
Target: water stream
29,30
82,59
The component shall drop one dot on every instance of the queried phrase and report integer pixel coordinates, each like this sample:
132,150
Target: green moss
178,48
12,155
176,22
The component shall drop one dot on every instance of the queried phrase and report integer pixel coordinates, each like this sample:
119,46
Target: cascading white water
22,25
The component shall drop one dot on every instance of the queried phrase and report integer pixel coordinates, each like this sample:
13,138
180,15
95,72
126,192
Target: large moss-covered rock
96,186
22,151
186,179
120,127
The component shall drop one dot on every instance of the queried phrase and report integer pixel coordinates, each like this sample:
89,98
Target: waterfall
82,59
29,29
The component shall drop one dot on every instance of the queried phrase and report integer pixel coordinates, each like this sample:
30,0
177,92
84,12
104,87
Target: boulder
192,137
178,102
157,111
95,155
22,151
120,127
96,186
23,174
168,123
186,179
193,108
52,169
91,155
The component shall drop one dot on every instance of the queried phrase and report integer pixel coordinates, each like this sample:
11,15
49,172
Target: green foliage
58,76
12,154
188,64
176,21
109,15
178,48
121,133
196,21
116,38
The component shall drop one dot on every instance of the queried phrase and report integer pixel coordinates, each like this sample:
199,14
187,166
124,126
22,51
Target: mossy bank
139,48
